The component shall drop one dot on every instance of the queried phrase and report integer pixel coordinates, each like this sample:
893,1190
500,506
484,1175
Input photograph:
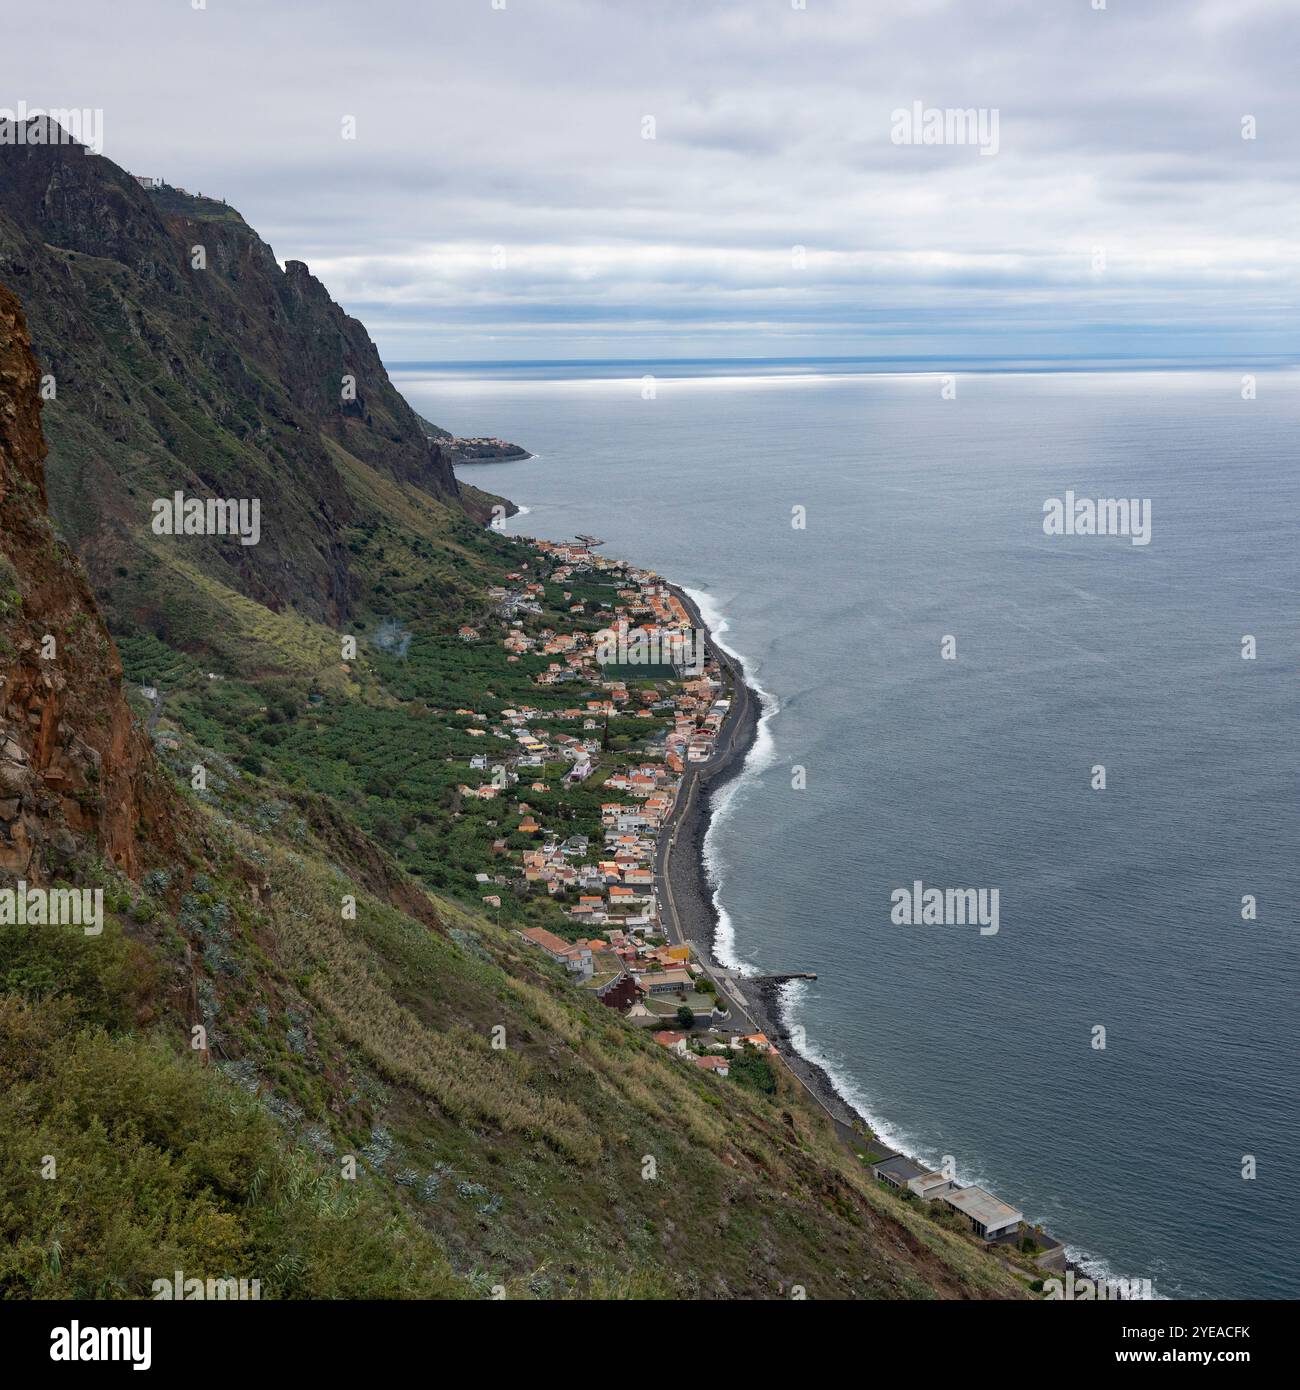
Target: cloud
500,183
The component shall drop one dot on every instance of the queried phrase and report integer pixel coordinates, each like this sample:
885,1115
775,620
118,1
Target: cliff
75,775
180,357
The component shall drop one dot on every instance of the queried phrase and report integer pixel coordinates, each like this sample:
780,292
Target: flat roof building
898,1171
988,1215
928,1186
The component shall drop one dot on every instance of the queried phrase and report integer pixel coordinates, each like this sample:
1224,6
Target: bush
753,1070
108,978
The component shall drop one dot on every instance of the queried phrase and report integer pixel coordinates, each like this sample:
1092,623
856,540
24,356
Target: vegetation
124,1161
371,1036
753,1070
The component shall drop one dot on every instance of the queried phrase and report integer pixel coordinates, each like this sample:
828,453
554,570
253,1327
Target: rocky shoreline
758,999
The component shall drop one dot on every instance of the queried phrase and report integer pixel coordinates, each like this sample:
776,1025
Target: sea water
950,675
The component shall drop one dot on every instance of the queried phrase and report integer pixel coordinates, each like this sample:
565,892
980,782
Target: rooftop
548,941
981,1206
901,1168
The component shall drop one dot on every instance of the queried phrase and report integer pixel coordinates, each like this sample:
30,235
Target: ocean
882,761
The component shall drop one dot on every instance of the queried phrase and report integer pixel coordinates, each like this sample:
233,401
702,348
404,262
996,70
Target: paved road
726,749
728,981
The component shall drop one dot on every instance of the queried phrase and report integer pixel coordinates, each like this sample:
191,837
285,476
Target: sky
502,197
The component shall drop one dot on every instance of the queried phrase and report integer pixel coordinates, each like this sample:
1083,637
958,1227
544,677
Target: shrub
752,1070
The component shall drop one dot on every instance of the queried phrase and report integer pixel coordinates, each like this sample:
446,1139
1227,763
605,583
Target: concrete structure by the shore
988,1215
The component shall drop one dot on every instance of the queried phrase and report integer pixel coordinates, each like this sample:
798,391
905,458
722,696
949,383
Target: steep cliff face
378,426
76,776
180,357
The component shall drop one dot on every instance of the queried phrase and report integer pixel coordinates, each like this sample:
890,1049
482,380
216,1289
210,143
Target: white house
930,1185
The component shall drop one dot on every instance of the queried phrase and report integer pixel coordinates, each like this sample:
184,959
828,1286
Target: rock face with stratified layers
77,776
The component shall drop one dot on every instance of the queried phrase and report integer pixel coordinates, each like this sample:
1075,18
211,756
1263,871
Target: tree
685,1016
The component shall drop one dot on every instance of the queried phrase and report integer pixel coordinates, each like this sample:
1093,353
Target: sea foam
761,755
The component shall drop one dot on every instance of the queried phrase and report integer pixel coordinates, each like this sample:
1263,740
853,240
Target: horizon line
1009,362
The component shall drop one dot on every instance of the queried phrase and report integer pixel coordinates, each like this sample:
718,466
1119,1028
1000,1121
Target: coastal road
730,748
726,751
729,751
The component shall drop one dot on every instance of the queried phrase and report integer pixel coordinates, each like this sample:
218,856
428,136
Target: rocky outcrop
480,449
76,775
484,450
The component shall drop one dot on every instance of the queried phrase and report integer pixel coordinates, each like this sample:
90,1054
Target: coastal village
614,942
639,651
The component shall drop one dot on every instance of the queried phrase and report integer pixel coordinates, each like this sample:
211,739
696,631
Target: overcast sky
500,199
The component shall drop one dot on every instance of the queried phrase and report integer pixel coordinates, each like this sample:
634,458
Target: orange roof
547,940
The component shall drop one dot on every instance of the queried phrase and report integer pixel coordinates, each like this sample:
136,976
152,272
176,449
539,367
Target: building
718,1065
669,982
929,1186
674,1042
897,1171
989,1217
576,959
615,991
